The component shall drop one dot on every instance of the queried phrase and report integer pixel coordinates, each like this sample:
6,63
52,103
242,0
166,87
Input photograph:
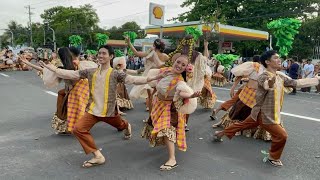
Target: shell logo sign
158,12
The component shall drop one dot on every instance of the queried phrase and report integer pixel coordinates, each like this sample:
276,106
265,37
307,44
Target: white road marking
52,93
226,89
221,101
289,114
4,75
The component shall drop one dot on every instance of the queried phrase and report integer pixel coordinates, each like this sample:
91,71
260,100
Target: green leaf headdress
75,40
226,60
195,32
132,36
284,30
91,52
118,53
102,39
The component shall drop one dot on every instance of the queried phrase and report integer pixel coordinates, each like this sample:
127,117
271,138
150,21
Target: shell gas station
221,33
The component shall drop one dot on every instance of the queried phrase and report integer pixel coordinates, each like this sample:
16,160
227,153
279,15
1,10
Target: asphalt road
30,150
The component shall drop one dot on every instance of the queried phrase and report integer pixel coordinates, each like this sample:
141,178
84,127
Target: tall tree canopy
117,32
247,13
67,21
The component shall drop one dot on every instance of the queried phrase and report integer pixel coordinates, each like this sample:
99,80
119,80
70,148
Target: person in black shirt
294,72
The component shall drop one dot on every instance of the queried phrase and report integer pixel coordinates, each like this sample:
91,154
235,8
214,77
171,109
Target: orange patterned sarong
77,102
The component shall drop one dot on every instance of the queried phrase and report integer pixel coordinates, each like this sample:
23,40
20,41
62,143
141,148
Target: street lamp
46,24
54,39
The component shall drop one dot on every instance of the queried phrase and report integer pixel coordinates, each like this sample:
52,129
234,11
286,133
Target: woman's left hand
195,94
42,64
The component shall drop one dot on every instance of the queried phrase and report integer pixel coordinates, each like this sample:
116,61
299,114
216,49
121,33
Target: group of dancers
172,86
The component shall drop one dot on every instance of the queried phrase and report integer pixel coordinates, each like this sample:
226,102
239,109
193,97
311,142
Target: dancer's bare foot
95,161
127,133
216,125
218,136
169,165
213,115
276,163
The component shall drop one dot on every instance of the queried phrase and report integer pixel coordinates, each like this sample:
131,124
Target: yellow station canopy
229,33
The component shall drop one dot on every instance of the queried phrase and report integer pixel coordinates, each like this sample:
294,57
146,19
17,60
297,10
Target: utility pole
30,24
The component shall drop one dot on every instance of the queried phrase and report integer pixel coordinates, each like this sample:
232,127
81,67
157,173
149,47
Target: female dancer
155,58
123,100
78,92
218,78
171,103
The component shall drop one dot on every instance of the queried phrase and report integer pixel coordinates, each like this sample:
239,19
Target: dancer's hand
23,59
271,81
164,74
127,39
196,94
42,64
231,92
205,43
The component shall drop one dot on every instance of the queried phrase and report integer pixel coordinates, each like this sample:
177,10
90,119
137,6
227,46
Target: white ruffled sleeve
190,105
244,69
208,71
87,65
153,73
50,79
200,66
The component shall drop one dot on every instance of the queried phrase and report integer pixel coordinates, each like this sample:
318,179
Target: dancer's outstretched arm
135,52
62,73
24,61
236,82
206,51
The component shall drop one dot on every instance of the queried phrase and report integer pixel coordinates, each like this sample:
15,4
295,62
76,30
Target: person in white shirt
285,66
308,72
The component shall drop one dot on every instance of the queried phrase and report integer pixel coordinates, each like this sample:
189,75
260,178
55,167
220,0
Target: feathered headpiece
102,39
226,60
75,40
132,36
285,30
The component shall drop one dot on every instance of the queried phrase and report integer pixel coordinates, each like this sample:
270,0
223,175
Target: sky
110,12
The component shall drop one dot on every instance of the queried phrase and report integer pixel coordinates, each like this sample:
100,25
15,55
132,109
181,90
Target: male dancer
102,100
269,99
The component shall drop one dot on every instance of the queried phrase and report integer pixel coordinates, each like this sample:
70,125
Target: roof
230,33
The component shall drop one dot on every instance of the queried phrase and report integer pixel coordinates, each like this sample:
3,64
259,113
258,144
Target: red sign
227,45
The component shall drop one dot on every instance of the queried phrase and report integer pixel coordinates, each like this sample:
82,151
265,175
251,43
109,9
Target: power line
125,16
107,4
40,2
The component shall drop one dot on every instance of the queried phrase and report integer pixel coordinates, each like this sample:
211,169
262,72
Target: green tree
253,14
67,21
20,34
117,32
306,40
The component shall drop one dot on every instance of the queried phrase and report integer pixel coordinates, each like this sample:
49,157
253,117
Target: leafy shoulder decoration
284,30
75,40
195,32
226,60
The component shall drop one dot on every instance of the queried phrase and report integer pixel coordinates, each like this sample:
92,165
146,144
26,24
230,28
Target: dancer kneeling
173,100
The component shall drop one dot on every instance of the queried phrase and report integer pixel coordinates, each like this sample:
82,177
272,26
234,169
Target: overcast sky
110,12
